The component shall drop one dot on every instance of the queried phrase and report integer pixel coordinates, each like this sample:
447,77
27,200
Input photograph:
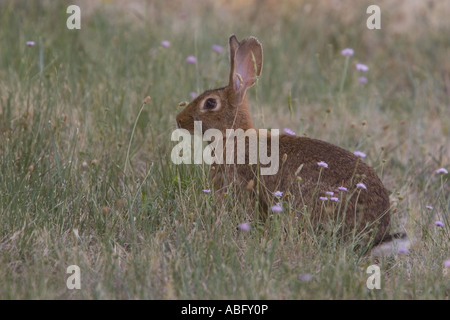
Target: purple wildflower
442,171
359,154
361,185
347,52
191,60
244,227
278,194
330,193
342,189
322,164
362,67
403,250
206,190
30,43
363,80
217,48
335,199
429,207
276,208
289,131
165,44
193,95
439,223
323,198
447,263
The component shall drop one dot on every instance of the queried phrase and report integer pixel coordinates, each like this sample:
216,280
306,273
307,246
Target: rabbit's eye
210,104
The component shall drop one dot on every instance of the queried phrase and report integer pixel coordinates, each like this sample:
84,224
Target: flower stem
344,75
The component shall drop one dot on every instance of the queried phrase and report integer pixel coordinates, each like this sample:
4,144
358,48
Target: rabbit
308,168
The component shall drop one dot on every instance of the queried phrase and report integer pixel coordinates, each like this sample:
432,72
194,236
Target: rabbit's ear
234,45
246,64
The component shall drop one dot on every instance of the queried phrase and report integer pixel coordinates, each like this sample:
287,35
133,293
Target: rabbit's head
227,107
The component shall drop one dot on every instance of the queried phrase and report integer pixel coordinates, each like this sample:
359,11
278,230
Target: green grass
86,176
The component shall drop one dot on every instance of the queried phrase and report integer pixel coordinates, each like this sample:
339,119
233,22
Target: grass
85,171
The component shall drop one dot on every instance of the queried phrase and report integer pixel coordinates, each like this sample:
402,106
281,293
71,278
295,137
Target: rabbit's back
310,183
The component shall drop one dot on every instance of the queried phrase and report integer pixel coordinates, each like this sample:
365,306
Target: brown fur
361,209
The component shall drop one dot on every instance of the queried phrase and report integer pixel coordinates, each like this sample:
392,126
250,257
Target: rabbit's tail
397,243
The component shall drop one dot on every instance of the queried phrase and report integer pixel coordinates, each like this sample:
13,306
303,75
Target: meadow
85,172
